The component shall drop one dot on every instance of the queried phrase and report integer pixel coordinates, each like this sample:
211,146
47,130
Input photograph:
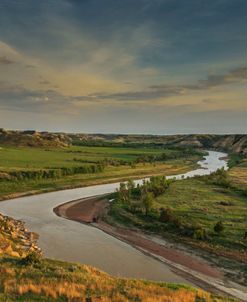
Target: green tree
123,194
148,202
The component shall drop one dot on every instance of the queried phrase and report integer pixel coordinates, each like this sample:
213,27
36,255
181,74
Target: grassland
200,204
28,170
49,280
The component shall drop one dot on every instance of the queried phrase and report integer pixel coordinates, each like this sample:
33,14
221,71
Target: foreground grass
49,280
122,168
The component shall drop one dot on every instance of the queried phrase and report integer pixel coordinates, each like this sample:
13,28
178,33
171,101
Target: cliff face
234,143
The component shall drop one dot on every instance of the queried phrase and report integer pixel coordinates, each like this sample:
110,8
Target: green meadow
31,170
189,211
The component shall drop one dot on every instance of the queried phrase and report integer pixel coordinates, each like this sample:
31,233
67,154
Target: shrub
166,215
200,234
31,259
148,202
219,227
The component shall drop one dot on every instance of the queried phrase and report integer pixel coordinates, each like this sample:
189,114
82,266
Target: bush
219,227
200,234
166,215
219,178
31,259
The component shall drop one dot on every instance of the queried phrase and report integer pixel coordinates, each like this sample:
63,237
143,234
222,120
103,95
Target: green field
199,204
26,169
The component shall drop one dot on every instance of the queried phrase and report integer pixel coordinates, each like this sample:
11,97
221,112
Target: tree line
52,173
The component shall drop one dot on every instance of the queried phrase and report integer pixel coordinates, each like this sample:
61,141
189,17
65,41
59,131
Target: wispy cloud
5,61
237,75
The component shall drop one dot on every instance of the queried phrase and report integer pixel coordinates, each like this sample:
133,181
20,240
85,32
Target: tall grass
57,281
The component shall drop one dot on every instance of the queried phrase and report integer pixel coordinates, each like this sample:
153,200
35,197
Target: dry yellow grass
73,291
59,281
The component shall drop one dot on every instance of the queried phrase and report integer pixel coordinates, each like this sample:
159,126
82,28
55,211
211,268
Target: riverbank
190,266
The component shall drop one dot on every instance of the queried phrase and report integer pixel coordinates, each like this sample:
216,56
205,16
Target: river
71,241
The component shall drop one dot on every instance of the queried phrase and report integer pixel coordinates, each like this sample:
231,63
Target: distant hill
236,143
32,138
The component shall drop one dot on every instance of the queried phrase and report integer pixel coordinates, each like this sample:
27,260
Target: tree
219,227
130,184
123,194
148,202
130,187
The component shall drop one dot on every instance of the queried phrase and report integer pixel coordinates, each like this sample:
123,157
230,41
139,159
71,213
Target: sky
124,66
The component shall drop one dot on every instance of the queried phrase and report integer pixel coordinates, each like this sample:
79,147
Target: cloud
18,98
153,92
5,61
233,76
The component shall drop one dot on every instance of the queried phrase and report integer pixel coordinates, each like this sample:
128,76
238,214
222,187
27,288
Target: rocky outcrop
190,141
32,138
15,240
